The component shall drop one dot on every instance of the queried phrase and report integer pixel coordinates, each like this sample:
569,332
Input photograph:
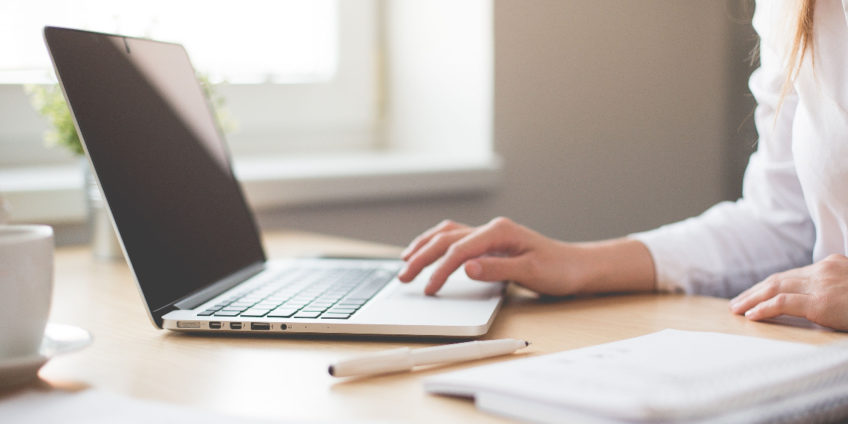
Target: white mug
26,287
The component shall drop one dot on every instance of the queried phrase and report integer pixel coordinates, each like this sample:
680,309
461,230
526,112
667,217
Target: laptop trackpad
458,287
464,307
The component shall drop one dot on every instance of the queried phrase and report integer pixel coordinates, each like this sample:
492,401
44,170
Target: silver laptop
185,227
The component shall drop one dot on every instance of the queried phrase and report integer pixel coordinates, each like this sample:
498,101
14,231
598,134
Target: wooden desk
287,378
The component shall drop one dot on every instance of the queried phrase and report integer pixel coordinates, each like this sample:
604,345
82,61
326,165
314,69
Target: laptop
186,230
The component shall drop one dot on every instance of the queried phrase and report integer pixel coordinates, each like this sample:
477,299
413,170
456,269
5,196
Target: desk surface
287,378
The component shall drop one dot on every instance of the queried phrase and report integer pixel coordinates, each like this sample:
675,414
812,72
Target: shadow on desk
40,385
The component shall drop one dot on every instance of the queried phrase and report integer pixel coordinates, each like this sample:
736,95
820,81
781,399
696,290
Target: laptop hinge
199,297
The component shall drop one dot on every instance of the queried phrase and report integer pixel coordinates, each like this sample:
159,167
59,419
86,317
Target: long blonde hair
801,43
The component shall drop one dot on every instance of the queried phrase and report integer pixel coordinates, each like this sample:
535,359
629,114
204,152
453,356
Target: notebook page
662,375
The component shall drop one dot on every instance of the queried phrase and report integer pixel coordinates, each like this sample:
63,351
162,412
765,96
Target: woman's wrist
619,265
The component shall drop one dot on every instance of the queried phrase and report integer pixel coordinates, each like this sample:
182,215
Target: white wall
611,117
426,48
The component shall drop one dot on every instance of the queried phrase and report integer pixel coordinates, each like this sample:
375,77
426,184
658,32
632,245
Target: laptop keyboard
308,292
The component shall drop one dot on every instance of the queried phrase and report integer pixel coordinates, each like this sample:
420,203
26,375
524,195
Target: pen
404,359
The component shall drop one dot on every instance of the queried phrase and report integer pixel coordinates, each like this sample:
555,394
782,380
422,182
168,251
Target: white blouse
794,206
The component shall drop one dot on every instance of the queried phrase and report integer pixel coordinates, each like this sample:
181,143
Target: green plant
225,119
49,101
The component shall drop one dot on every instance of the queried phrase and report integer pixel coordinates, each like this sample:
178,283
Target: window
398,92
297,74
228,45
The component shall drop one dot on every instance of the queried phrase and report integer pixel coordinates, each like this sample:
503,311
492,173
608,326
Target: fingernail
749,312
473,269
428,290
402,275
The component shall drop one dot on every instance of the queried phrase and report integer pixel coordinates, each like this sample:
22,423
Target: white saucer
58,339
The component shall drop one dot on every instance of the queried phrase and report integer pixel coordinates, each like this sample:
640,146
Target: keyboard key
350,304
329,299
227,313
335,316
281,313
301,299
359,300
342,310
307,314
253,312
284,308
232,309
207,312
315,308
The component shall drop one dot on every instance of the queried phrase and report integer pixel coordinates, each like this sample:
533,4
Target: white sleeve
734,245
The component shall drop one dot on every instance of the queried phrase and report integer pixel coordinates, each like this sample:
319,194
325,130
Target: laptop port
283,326
235,326
215,325
188,324
260,326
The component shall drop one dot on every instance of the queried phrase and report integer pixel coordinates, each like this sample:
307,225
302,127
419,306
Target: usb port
215,325
260,326
235,326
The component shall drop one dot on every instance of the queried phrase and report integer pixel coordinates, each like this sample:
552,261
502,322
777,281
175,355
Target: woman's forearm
619,265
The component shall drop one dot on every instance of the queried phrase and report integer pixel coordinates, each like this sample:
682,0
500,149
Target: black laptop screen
160,159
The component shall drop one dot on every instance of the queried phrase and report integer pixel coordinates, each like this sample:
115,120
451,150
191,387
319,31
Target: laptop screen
161,161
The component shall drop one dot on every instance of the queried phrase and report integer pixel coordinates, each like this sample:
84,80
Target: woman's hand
818,292
502,250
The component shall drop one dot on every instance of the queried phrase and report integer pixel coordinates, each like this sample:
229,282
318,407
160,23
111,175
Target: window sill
54,195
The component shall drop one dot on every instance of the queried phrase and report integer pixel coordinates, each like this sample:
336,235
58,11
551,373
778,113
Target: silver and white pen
405,359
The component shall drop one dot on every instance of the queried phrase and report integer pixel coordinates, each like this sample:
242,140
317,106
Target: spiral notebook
668,376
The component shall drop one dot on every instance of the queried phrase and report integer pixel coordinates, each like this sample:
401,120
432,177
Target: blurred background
377,119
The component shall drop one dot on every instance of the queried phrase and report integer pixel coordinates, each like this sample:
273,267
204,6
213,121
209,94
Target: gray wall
611,117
